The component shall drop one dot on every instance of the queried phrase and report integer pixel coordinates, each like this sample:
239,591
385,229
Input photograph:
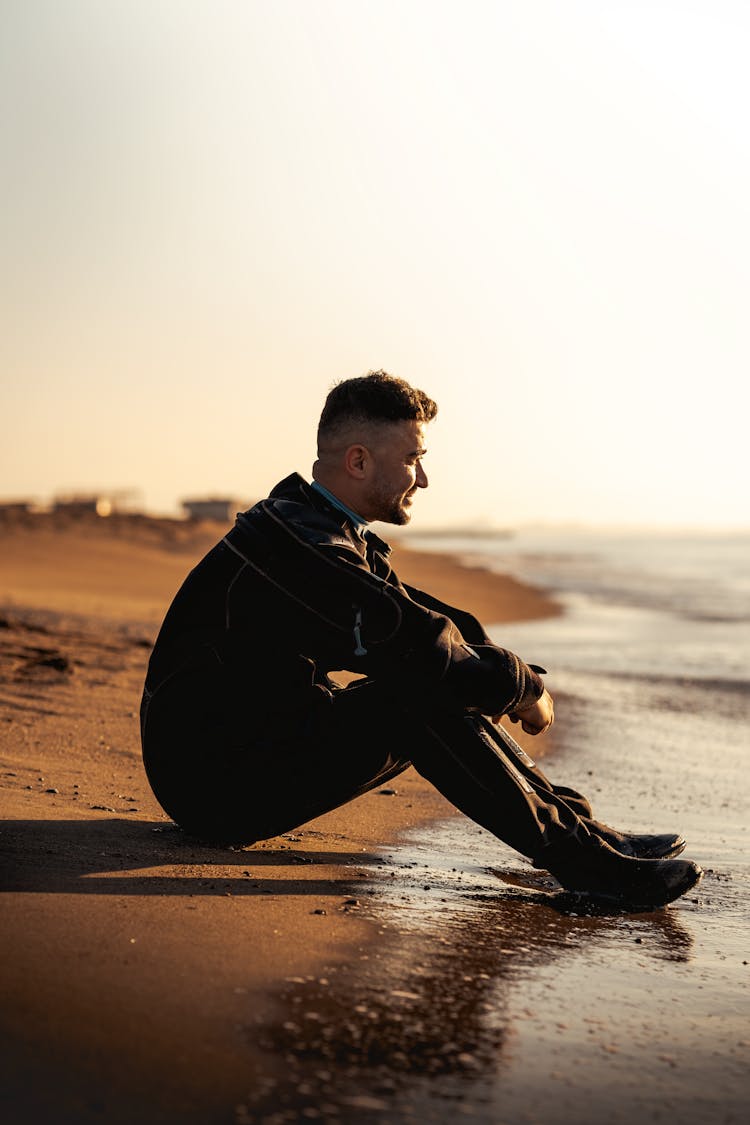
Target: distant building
15,507
77,505
213,508
100,503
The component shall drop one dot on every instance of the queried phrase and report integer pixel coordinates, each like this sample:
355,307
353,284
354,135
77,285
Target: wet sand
141,969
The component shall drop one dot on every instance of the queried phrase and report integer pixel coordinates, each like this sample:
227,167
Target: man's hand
538,717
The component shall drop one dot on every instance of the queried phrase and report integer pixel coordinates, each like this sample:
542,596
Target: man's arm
470,627
534,719
339,611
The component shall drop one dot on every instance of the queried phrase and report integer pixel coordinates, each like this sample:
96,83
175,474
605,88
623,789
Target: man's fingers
533,730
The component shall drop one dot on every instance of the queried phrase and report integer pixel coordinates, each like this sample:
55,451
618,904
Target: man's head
370,445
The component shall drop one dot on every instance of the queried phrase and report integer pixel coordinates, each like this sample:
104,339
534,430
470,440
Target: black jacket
294,592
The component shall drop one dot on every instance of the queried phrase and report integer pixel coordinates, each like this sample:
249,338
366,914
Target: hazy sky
536,211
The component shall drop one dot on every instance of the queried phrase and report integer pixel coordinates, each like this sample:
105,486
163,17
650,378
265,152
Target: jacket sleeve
526,676
471,628
344,612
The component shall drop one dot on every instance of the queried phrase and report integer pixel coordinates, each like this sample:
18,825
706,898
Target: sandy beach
139,968
389,962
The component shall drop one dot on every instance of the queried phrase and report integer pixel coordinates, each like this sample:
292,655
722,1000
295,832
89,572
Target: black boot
639,846
590,866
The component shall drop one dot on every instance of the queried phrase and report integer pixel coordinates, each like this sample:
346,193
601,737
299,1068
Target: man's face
395,472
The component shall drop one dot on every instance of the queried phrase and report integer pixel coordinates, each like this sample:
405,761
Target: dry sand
143,973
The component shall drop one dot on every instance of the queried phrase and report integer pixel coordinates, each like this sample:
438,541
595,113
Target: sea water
621,1017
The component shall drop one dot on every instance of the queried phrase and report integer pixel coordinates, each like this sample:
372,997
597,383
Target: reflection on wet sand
433,999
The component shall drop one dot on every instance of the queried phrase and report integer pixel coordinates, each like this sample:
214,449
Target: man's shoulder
294,507
293,488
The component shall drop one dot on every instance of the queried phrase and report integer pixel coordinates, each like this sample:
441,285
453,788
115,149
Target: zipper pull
359,649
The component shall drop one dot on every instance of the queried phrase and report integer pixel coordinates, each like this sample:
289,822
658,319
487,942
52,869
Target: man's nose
422,480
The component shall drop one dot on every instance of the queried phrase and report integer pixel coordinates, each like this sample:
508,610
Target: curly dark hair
375,397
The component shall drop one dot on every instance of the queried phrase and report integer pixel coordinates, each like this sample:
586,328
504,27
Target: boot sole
632,900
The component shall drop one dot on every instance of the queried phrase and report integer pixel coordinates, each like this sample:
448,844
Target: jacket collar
295,488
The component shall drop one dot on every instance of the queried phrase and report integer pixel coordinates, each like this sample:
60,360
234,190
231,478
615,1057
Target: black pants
218,785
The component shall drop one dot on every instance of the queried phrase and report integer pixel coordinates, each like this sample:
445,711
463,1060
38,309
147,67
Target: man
246,736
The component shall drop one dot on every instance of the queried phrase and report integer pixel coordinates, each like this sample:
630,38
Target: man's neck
331,497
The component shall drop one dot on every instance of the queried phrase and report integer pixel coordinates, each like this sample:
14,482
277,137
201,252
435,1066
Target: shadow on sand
123,857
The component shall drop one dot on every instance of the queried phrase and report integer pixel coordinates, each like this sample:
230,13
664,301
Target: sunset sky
539,212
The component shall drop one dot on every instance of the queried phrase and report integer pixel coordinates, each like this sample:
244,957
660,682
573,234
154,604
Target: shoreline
147,951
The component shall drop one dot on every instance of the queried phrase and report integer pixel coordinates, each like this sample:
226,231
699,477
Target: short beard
398,515
393,511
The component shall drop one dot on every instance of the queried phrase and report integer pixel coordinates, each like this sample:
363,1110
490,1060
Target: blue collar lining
357,520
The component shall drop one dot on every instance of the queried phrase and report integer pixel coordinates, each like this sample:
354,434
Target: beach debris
35,660
365,1101
388,792
470,1062
319,910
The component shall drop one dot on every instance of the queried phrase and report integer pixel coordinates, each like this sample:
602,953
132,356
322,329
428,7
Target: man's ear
355,461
